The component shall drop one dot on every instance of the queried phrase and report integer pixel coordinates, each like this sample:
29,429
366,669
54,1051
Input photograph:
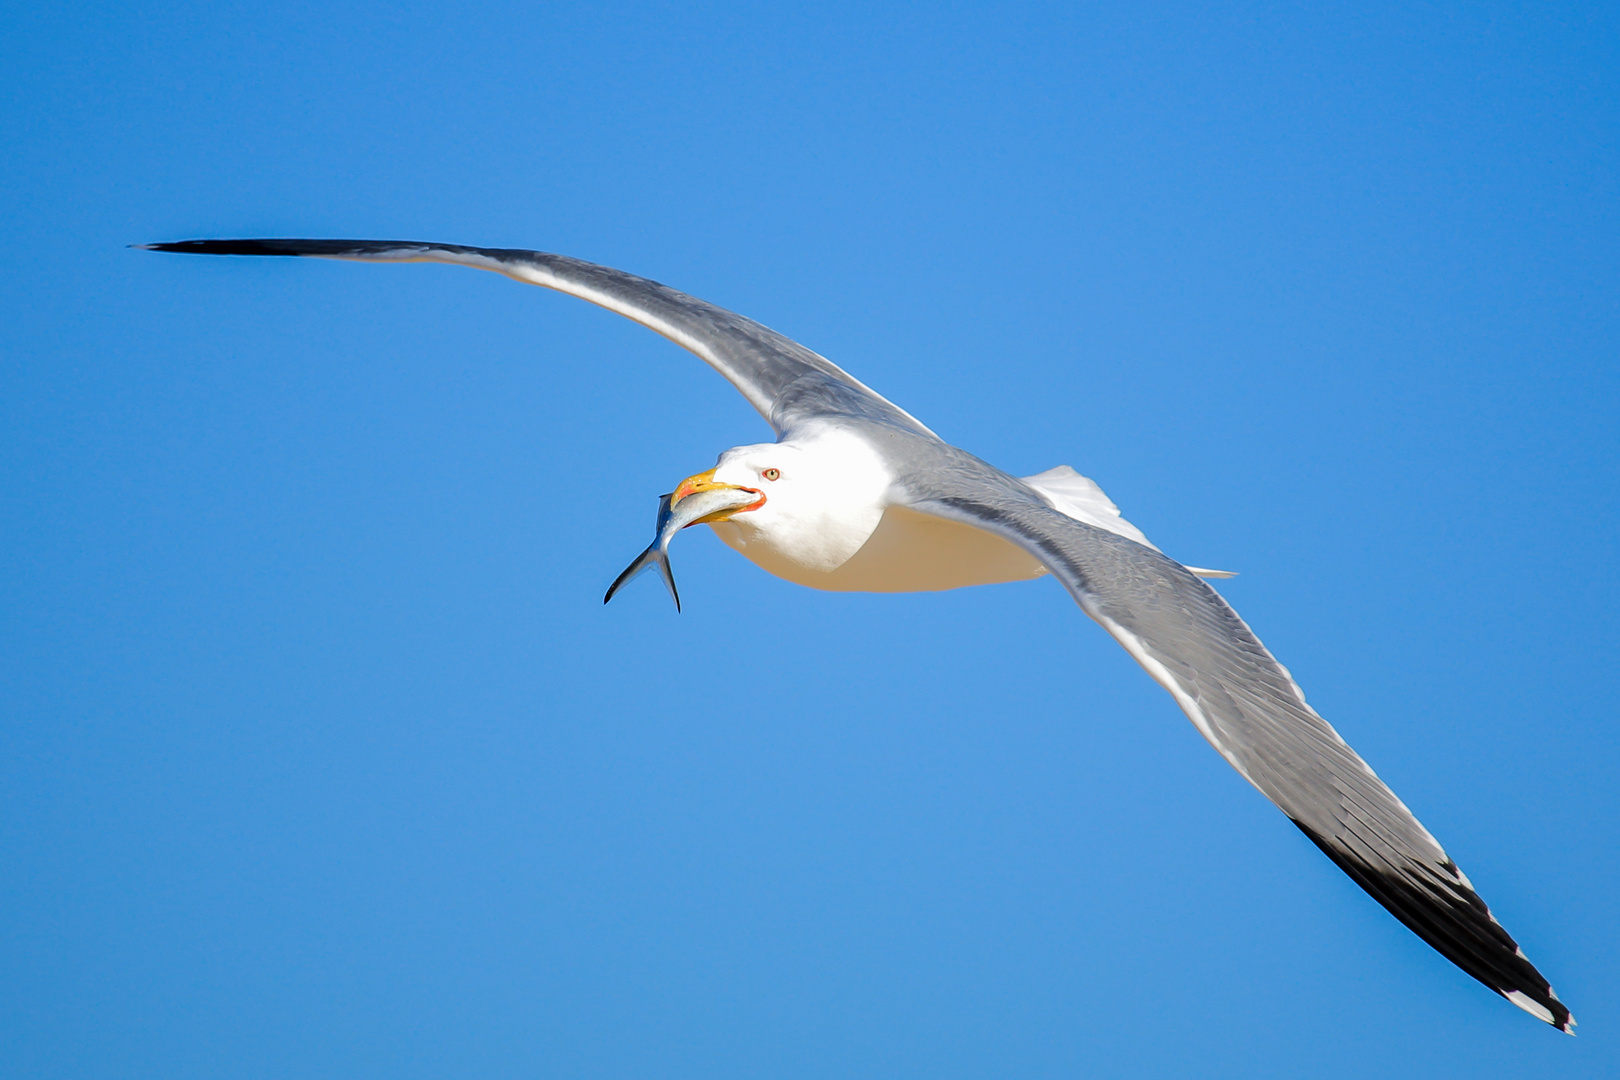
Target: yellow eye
772,474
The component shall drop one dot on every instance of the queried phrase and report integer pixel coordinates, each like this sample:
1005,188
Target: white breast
907,552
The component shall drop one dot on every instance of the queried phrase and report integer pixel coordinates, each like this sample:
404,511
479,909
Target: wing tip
223,247
1560,1019
1453,930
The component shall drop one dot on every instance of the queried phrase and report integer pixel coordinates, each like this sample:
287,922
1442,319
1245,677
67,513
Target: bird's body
854,530
856,494
838,517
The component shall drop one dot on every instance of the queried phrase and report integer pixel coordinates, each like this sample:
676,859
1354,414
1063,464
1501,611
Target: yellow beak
705,481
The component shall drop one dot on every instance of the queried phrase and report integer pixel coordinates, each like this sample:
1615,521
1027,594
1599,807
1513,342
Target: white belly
907,552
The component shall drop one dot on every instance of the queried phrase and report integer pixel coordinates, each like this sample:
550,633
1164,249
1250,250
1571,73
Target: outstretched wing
1175,625
755,359
1251,710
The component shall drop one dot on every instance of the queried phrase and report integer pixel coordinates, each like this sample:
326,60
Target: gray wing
1250,709
758,361
1175,625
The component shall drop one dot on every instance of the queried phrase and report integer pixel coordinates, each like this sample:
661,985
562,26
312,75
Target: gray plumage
1177,626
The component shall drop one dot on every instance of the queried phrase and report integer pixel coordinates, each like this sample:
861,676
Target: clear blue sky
320,756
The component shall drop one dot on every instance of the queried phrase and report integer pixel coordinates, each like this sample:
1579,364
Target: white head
822,495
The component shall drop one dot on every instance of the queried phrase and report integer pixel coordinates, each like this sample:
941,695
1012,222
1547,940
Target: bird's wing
758,361
1079,497
1251,710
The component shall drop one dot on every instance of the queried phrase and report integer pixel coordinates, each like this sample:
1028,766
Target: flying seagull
857,495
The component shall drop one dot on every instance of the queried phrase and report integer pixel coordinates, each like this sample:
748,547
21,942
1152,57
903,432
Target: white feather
1079,497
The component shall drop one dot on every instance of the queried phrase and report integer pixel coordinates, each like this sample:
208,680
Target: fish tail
642,561
669,577
654,555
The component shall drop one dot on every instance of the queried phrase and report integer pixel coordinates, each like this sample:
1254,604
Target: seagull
856,494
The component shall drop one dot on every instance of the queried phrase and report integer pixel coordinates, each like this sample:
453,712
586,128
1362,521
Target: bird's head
818,502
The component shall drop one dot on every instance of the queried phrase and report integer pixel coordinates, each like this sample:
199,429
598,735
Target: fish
672,518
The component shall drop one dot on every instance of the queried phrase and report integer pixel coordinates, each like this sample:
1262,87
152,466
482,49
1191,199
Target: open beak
705,481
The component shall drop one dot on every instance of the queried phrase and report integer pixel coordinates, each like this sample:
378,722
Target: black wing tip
1541,1001
1465,933
231,247
1544,1006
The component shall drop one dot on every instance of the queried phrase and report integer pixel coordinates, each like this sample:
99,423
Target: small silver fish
672,518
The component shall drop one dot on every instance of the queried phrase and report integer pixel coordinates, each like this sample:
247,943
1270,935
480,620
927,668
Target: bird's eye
772,474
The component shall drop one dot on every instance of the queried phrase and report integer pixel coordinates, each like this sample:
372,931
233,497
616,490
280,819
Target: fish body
673,516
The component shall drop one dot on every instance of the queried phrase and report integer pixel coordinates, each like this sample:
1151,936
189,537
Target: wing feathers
1249,708
758,361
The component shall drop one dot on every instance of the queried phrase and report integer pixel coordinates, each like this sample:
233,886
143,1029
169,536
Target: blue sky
320,756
